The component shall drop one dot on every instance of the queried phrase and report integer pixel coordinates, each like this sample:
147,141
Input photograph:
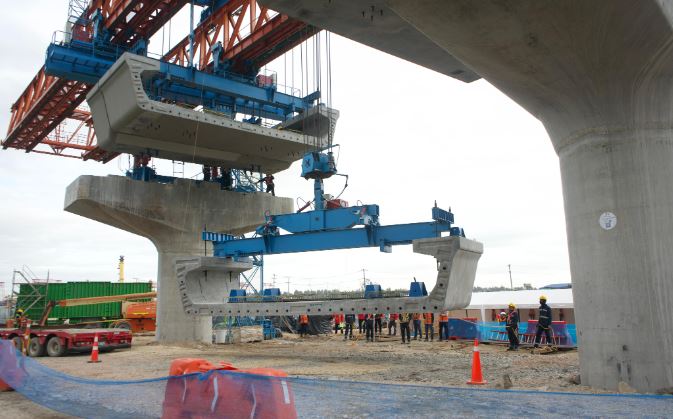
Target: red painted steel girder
44,104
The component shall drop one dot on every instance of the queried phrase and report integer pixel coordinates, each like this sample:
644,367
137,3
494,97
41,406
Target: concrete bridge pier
599,75
172,216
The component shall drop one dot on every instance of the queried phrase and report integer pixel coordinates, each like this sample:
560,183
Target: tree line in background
358,293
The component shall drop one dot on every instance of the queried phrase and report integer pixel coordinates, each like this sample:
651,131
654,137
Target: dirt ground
328,357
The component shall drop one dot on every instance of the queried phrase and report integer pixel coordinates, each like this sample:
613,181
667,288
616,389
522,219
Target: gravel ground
329,357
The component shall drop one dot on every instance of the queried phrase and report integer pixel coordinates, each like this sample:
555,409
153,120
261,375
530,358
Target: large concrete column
172,216
598,74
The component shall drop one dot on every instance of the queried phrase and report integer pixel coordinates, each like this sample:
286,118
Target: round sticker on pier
607,220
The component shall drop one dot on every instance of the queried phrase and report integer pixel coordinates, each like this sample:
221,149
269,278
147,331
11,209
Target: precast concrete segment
128,121
172,216
598,74
457,259
375,24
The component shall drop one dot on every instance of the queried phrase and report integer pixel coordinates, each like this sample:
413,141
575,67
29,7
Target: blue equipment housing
417,289
271,294
236,295
373,291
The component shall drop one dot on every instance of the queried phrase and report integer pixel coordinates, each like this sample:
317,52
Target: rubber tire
18,343
55,347
35,348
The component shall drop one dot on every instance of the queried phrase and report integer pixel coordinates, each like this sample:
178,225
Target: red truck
58,342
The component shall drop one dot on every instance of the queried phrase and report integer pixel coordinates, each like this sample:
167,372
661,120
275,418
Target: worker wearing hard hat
303,325
544,322
512,326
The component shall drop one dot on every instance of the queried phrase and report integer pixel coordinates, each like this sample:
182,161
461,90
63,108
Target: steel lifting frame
330,229
181,84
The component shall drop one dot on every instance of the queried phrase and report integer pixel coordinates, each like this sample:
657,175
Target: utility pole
288,283
364,279
511,286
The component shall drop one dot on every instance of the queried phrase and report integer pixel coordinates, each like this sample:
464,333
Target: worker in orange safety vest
444,325
303,325
429,326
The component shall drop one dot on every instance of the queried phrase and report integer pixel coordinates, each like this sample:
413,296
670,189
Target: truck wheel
55,347
35,348
18,343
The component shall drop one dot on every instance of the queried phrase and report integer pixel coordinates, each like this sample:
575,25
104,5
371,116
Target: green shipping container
29,295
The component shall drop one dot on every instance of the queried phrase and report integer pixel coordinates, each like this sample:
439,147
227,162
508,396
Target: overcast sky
408,136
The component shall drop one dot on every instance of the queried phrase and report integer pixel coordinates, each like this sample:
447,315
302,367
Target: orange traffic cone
476,366
94,352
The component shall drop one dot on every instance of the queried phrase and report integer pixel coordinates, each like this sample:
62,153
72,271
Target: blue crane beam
368,236
331,237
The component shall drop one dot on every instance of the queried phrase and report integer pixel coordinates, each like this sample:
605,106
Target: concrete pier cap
172,216
599,75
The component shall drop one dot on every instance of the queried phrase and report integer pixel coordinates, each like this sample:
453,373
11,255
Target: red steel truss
251,36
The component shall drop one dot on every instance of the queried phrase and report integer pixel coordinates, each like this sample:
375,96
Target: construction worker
206,173
429,326
361,323
350,320
270,187
303,325
369,327
338,319
404,327
512,327
543,323
444,325
378,323
19,318
392,324
418,333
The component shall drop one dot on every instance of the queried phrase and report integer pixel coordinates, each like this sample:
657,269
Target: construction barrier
313,398
465,328
495,332
559,334
196,388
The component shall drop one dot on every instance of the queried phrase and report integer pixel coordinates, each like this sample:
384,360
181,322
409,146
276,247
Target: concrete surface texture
456,258
128,121
373,23
598,75
172,216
